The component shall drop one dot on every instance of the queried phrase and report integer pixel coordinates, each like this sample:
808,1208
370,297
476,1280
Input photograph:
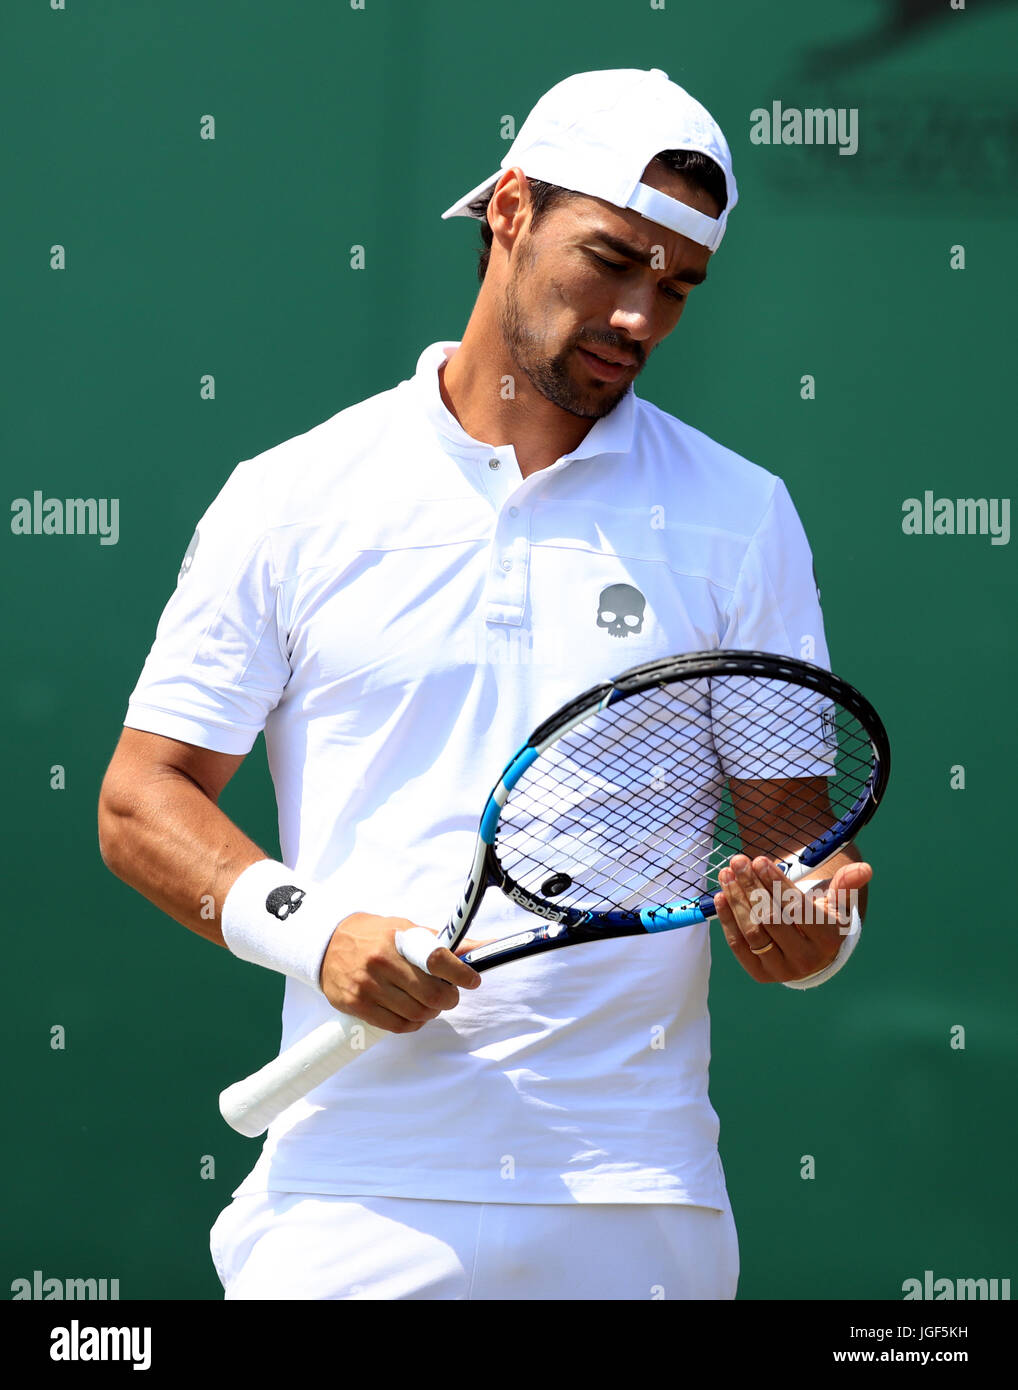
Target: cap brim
462,208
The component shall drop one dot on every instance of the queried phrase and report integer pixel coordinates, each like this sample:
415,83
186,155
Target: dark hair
699,169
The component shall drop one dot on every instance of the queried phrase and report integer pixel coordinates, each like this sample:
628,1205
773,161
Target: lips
605,369
615,359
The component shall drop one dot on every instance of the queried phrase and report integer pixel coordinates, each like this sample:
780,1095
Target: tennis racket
616,815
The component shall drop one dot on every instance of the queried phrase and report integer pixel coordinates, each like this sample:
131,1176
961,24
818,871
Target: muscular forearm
165,836
161,831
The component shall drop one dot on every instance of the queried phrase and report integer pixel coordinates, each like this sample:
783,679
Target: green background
337,127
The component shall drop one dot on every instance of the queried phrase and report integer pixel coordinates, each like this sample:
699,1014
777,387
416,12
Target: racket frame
563,926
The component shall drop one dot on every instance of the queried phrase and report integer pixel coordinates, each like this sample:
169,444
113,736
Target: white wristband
848,945
281,920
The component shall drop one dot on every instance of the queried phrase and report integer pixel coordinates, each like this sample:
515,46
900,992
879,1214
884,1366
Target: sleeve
775,608
218,665
776,604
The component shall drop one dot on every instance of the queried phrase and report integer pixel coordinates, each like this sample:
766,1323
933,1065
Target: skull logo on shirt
620,610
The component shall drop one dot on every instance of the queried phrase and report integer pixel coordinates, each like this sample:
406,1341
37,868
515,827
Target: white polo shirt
398,609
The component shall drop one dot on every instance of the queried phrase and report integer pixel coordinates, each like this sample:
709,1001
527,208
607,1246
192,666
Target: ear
509,207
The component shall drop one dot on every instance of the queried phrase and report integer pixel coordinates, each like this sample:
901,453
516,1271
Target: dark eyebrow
689,276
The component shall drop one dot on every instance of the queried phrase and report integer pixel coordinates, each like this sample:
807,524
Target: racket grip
251,1105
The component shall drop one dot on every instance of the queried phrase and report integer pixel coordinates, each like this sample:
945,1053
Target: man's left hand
776,931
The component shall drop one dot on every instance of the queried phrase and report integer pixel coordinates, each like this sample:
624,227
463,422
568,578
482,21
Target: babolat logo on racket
535,907
285,901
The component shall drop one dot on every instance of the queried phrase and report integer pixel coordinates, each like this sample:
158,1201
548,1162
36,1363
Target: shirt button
514,511
494,463
507,564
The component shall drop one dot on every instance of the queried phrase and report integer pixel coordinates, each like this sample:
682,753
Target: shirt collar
612,434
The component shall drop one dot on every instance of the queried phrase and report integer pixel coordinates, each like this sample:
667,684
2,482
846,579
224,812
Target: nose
633,319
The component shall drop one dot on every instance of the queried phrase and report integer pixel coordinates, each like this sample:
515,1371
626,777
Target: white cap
596,132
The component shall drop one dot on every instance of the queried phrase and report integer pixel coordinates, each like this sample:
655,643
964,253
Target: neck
495,402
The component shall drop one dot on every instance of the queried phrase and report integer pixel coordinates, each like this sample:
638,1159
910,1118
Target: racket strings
625,761
646,800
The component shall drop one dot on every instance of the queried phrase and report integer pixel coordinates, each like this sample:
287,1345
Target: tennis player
397,598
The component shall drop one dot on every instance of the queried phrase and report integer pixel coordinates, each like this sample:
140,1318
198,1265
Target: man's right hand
364,975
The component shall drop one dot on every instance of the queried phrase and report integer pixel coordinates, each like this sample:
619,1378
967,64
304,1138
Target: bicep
141,757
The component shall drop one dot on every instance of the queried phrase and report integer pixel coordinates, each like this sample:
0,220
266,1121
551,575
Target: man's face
592,279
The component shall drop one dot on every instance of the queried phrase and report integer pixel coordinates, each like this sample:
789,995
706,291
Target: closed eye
677,295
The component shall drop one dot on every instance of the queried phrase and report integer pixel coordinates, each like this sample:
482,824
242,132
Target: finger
853,875
782,898
411,992
748,894
416,945
750,903
798,922
381,1017
419,946
737,942
446,966
793,912
787,936
843,889
422,1000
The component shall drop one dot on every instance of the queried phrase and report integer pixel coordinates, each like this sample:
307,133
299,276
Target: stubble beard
550,375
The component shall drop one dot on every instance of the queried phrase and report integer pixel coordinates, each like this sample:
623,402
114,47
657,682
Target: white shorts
293,1245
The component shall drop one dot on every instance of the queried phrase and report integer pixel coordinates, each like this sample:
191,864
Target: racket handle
251,1105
